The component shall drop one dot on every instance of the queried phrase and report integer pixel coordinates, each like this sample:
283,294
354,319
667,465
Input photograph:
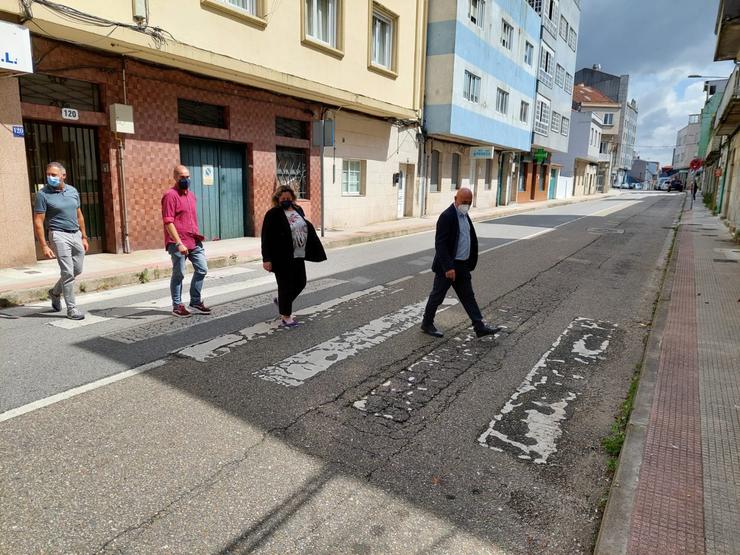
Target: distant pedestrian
694,188
288,240
456,255
58,208
183,241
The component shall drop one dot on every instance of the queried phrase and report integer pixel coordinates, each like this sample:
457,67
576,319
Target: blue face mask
286,204
184,183
53,181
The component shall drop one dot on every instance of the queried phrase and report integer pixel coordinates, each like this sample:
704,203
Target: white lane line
222,345
131,290
30,407
427,271
296,369
616,208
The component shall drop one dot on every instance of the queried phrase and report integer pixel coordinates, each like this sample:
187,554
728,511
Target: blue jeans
200,266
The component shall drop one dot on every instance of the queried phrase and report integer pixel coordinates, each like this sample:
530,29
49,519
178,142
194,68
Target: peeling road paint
530,423
296,369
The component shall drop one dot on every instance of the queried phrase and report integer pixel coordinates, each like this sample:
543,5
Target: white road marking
219,346
296,369
209,292
30,407
399,280
543,418
67,324
618,205
130,290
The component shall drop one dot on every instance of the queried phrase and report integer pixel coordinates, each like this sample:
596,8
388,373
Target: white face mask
463,208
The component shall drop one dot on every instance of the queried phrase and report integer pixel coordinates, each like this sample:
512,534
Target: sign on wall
19,131
15,48
481,153
207,175
70,113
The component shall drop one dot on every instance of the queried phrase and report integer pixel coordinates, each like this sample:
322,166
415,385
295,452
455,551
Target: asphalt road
353,433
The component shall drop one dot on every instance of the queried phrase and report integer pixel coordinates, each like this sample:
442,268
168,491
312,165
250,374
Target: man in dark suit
456,255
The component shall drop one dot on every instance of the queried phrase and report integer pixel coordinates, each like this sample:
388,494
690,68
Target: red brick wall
153,151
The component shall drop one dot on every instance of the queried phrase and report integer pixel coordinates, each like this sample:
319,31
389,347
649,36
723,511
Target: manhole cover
604,230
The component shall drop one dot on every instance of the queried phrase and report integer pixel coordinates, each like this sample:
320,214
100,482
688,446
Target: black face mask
286,204
184,183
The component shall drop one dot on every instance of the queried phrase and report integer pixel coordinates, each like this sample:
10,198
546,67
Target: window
292,169
471,87
560,76
51,90
200,113
555,122
383,31
608,119
547,65
564,28
604,148
434,178
507,33
249,6
502,101
565,127
542,116
568,83
524,112
352,177
322,21
489,174
572,39
293,128
541,178
528,54
455,172
476,12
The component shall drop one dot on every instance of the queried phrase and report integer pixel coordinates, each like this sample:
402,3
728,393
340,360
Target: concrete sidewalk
677,488
106,271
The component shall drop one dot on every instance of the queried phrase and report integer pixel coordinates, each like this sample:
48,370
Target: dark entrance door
219,182
76,148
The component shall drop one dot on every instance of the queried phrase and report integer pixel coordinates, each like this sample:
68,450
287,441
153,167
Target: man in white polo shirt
58,205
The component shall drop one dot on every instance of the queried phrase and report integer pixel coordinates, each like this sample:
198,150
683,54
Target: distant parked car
675,185
663,184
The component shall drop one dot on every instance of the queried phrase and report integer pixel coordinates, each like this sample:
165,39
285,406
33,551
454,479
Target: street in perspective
410,276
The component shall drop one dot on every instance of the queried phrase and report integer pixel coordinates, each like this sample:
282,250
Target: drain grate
724,260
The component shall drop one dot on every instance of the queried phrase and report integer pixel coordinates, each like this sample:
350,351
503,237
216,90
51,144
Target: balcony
550,26
727,119
605,158
727,30
546,78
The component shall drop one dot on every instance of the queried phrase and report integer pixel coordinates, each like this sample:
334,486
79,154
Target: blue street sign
19,131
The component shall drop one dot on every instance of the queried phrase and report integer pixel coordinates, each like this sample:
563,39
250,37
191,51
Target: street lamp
697,76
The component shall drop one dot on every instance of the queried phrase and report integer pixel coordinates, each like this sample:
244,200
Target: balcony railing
550,26
546,78
728,114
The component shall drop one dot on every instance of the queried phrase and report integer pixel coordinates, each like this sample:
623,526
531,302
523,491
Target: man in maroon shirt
183,241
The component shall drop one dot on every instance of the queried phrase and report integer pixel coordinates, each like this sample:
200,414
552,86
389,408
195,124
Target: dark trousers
291,279
462,285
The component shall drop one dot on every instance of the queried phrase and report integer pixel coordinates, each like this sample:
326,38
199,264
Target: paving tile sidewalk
105,271
678,486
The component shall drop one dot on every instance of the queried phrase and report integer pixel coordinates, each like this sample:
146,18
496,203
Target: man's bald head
463,196
180,171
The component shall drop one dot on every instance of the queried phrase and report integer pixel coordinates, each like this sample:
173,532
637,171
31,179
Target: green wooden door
218,181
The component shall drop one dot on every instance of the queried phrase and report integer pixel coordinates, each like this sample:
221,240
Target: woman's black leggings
291,279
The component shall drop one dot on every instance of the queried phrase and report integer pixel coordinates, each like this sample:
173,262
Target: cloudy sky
658,43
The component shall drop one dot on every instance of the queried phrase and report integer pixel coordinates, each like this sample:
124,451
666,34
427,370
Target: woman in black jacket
288,239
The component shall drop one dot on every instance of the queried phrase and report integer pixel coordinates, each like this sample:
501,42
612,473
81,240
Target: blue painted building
481,85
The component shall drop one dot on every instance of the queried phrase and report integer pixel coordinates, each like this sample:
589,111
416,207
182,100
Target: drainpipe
122,175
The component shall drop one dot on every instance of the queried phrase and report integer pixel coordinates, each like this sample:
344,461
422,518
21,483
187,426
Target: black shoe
487,330
430,329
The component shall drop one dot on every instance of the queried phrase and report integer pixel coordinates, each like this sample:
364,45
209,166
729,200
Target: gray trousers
70,254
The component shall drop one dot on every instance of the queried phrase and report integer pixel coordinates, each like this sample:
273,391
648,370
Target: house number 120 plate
70,113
